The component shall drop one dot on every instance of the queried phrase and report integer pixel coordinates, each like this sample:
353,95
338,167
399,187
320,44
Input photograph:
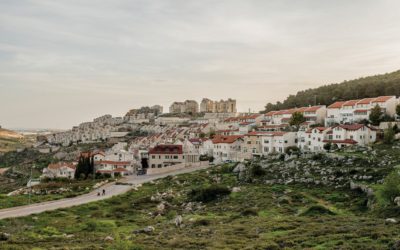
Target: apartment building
277,142
166,155
354,111
312,114
227,148
344,135
188,106
222,106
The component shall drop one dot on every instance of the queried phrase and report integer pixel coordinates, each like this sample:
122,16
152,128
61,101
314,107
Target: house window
175,157
159,165
153,165
153,157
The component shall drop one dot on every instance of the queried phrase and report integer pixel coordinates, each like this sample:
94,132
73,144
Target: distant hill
5,133
11,140
371,86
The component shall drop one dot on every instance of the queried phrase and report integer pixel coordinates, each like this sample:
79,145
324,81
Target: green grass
77,188
257,217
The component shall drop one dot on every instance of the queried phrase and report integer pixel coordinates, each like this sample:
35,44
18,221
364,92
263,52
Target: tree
388,135
391,187
297,119
328,146
376,115
398,110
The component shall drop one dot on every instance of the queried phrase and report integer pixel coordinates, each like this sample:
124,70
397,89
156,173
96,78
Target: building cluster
188,107
206,106
171,141
209,106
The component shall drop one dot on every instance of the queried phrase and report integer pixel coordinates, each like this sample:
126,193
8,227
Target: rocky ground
284,202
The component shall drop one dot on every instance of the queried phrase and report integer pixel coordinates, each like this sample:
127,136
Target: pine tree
376,115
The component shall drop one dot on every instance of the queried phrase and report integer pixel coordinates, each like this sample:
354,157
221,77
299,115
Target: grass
76,188
257,217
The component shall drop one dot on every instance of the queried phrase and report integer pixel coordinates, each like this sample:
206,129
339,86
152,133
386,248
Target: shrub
257,171
391,187
292,150
328,146
249,212
316,210
210,193
99,226
388,136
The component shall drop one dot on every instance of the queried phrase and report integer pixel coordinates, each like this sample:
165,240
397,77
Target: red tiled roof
321,128
60,165
226,139
166,149
270,113
366,101
336,105
351,126
382,99
312,109
351,103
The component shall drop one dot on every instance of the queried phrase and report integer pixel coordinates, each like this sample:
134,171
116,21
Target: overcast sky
63,62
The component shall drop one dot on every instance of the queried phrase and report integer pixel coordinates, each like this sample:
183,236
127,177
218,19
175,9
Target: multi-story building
354,111
188,106
344,135
312,115
59,170
313,139
227,148
222,106
277,142
166,155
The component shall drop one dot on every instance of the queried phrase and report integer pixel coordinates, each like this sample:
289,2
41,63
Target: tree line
372,86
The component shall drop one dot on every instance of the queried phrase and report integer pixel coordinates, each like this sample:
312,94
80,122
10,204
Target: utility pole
30,185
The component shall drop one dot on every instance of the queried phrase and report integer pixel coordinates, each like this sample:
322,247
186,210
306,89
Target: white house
354,111
227,148
59,170
344,135
313,139
277,142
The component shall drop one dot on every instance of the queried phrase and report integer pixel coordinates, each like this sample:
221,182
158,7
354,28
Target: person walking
104,192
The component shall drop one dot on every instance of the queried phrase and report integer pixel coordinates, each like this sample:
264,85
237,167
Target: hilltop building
188,106
209,106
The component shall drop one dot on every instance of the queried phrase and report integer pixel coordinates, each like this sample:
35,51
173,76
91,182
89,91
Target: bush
292,150
249,212
317,210
328,146
210,193
391,187
257,171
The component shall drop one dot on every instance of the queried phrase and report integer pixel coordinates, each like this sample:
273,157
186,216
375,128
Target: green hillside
371,86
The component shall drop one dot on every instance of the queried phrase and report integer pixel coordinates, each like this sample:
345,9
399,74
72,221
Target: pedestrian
98,193
104,192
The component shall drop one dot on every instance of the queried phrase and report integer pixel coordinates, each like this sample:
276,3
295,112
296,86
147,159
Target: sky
63,62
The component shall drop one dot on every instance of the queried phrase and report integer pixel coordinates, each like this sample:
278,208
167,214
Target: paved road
111,190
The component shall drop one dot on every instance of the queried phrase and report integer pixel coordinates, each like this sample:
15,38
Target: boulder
391,221
109,239
4,236
236,189
148,229
397,201
239,168
178,221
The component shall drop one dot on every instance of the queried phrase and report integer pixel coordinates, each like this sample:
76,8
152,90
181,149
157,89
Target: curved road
111,190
